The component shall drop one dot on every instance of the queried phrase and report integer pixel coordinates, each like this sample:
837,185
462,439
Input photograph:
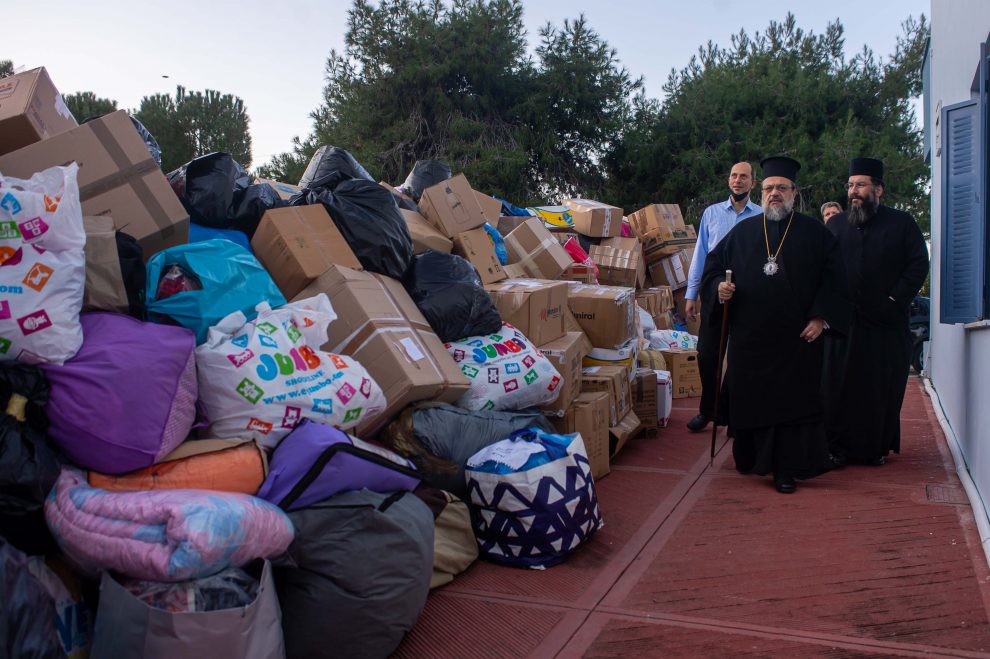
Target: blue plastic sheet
199,233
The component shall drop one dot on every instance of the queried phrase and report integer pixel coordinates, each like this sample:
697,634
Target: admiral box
605,313
534,306
534,249
566,355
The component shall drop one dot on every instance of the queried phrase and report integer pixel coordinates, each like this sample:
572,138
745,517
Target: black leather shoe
785,484
838,460
876,462
698,423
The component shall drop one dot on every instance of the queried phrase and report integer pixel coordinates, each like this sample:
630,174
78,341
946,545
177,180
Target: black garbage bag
447,289
133,272
29,462
217,192
424,174
149,140
370,222
329,167
27,615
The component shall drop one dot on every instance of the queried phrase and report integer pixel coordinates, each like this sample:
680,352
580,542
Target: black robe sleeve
831,302
914,274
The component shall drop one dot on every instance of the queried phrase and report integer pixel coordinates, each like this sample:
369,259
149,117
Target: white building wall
959,358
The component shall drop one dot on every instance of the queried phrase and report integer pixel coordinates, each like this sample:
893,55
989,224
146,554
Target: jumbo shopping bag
42,266
535,498
259,379
127,627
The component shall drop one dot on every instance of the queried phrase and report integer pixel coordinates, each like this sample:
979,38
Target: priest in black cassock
865,375
788,290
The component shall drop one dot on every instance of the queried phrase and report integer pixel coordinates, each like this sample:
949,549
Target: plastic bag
447,289
576,252
73,616
232,280
370,222
42,249
149,141
231,589
198,234
259,379
329,167
506,371
131,257
499,243
672,340
424,174
27,617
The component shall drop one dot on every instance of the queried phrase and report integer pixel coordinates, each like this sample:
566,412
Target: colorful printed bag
259,379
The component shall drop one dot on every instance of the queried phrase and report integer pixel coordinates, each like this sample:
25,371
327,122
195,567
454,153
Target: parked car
919,324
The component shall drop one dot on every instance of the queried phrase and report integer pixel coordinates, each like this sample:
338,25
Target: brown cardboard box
685,377
566,354
536,251
622,432
477,247
424,235
451,206
643,391
615,381
117,177
652,218
379,325
285,190
588,415
297,244
680,308
667,241
508,223
593,218
31,110
563,237
571,325
534,306
665,320
579,272
491,208
655,300
605,313
620,262
672,270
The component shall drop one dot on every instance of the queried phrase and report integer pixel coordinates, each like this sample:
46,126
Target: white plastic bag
42,266
506,371
672,340
259,379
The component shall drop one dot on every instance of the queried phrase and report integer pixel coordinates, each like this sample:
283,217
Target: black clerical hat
866,167
780,166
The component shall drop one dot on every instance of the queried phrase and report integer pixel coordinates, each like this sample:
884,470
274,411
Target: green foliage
781,91
196,123
87,105
6,68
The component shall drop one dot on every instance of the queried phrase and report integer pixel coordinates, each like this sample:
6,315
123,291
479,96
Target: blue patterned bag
534,498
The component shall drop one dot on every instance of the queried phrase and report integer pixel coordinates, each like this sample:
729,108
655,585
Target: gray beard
777,214
861,214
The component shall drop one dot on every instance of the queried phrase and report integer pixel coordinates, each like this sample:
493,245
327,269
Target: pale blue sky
273,55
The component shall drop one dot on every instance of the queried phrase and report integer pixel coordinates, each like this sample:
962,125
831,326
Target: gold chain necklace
770,268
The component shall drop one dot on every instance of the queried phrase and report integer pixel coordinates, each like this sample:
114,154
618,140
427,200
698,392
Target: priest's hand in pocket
813,329
725,291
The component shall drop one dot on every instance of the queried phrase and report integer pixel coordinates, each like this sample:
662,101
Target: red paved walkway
701,561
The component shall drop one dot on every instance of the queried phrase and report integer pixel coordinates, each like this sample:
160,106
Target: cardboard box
672,270
593,218
285,190
508,223
680,310
117,177
536,251
611,379
477,247
620,262
588,415
566,355
297,244
667,241
451,206
665,320
491,208
622,432
650,219
379,325
424,235
579,272
571,325
31,110
605,313
643,391
534,306
563,236
665,394
685,377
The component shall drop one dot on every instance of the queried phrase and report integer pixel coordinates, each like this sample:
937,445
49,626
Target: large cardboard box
477,247
672,270
620,262
31,110
534,306
588,415
593,218
566,355
117,177
620,434
297,244
685,378
424,235
605,313
536,251
451,206
579,272
491,208
285,190
667,241
643,391
508,223
656,300
650,219
613,380
571,325
379,325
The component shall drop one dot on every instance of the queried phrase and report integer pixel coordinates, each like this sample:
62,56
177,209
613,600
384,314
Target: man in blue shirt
717,220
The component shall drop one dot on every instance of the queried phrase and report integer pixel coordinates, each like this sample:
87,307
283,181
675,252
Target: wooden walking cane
723,340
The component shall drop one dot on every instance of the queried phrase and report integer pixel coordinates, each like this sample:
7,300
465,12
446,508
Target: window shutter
963,239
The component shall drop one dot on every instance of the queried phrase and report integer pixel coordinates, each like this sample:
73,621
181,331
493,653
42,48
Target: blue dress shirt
716,222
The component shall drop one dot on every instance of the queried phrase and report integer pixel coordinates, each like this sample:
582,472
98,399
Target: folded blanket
166,535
